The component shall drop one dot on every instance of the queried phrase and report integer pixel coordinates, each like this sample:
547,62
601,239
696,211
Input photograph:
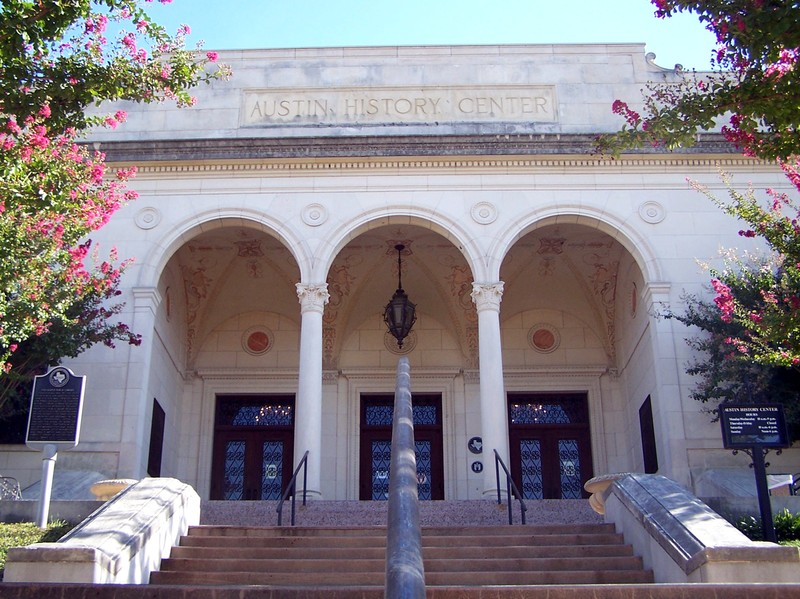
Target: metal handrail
510,484
405,572
291,488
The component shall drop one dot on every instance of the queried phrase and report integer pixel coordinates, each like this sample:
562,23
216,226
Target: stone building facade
264,240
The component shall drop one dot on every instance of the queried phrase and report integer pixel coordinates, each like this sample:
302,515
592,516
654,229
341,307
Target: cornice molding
250,374
347,154
417,373
571,372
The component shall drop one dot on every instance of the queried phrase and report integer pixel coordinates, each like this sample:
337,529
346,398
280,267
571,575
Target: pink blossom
212,56
724,299
184,29
129,41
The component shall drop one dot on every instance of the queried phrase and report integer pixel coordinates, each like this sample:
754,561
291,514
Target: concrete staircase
353,558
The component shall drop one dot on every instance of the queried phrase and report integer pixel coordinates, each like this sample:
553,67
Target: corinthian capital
487,296
312,297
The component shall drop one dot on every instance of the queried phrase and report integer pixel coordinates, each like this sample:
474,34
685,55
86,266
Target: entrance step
353,558
611,591
374,513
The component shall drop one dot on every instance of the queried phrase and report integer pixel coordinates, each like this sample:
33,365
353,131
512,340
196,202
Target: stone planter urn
597,487
103,490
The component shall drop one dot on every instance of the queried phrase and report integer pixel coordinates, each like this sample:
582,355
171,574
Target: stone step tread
608,591
460,579
300,531
509,551
377,541
378,564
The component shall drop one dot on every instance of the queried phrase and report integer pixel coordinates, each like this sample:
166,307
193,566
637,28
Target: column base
311,495
492,494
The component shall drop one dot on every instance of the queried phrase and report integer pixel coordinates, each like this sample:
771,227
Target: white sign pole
50,453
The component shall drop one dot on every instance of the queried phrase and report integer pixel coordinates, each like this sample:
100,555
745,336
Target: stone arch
630,238
161,250
363,275
418,216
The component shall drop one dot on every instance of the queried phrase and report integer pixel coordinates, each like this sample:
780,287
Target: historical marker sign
746,425
56,406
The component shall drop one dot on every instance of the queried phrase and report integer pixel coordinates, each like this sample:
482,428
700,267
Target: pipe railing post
405,572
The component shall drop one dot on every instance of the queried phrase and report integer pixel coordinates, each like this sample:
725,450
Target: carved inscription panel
336,106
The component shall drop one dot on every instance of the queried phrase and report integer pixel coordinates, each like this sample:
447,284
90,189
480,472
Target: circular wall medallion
409,343
544,338
484,213
147,218
314,215
257,340
652,212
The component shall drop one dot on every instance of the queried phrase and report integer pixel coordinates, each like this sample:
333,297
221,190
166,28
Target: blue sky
236,24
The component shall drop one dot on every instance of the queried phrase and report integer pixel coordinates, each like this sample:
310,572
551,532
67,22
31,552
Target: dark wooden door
253,446
550,444
377,413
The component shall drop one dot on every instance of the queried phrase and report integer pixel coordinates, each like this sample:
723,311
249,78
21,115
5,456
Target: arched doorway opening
573,327
226,360
361,280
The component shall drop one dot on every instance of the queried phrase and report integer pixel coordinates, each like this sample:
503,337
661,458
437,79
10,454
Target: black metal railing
291,489
510,485
405,573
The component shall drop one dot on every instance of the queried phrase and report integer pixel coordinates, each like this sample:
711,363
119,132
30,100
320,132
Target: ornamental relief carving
571,259
213,259
434,274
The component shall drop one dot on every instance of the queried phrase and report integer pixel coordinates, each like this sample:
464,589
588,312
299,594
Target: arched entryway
443,342
573,328
227,350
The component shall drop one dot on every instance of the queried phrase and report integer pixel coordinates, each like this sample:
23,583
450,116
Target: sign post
54,423
755,427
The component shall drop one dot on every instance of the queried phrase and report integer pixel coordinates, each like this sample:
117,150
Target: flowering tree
57,52
762,296
56,291
750,350
721,375
753,92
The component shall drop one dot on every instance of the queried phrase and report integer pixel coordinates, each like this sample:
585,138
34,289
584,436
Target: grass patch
26,533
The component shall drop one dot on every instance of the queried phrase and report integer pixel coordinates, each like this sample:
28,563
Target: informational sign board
56,407
746,425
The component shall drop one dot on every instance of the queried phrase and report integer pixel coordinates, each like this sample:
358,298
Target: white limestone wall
642,201
579,81
650,363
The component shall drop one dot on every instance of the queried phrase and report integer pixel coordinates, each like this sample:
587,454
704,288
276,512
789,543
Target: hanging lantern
400,314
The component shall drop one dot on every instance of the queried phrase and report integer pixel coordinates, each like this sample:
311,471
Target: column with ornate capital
308,405
494,427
